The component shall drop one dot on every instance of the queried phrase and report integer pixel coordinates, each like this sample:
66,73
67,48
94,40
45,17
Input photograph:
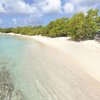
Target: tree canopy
79,27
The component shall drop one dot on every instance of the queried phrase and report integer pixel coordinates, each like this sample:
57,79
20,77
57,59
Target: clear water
27,62
13,51
40,72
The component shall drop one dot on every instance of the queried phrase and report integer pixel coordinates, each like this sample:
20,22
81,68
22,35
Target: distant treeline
79,27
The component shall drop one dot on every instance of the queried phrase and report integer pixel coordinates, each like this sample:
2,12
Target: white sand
85,52
53,69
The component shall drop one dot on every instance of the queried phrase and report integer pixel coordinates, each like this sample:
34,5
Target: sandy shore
59,69
85,52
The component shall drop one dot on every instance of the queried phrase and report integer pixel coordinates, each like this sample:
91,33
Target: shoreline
85,52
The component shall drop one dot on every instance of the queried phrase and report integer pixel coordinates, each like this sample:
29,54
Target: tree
75,26
83,27
91,23
79,27
57,28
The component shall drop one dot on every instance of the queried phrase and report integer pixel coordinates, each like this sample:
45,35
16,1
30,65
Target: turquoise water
12,54
27,62
40,72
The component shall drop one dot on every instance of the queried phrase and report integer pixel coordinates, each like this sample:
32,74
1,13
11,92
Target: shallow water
12,50
40,72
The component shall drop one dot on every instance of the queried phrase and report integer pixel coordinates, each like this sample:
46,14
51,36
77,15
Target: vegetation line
78,27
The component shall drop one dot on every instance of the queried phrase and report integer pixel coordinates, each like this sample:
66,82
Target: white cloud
50,6
17,6
81,5
20,6
68,8
2,10
46,6
34,12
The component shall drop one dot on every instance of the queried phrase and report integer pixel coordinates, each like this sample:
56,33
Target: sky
15,13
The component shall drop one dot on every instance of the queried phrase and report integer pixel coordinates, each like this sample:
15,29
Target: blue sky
40,12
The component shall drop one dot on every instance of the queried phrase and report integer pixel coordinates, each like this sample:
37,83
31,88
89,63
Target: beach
85,52
49,50
59,69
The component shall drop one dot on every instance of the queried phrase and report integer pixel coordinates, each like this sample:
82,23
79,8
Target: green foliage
28,30
57,28
78,27
6,30
75,26
82,26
